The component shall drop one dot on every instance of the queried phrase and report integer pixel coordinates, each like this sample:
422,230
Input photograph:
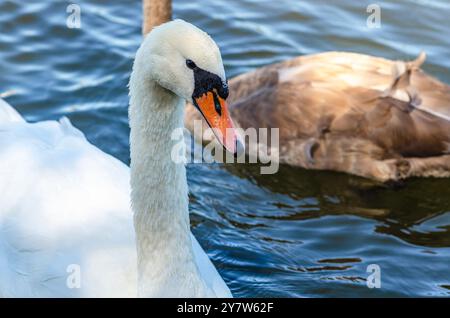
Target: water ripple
296,233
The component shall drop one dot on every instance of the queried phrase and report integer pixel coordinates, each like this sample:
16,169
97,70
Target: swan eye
190,64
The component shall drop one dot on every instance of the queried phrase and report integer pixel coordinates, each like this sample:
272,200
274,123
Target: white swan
66,228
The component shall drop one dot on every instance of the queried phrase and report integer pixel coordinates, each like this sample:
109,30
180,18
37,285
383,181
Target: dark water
296,233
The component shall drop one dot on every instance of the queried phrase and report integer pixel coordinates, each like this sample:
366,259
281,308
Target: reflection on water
295,233
320,231
404,210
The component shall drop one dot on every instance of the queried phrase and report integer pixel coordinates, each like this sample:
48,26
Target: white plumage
65,202
65,205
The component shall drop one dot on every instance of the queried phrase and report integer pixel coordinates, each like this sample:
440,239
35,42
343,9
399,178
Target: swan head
186,61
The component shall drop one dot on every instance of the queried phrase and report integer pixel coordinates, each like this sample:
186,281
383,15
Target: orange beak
215,111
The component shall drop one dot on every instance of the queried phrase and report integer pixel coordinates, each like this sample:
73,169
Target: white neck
159,194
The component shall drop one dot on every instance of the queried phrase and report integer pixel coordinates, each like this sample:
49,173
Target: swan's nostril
217,105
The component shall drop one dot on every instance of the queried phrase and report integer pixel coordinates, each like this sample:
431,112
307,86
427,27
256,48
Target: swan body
64,203
8,114
364,115
67,228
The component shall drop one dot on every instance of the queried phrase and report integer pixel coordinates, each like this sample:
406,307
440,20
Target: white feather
8,114
66,202
65,205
